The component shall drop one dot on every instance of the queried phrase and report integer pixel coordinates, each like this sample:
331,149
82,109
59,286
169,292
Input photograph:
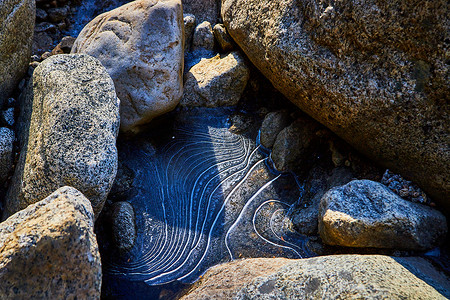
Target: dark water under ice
202,196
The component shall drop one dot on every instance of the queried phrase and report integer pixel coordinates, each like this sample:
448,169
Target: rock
41,15
189,27
203,37
294,145
7,116
325,277
46,55
72,133
218,81
203,10
404,188
16,35
6,152
45,27
305,215
272,125
365,213
123,225
223,38
120,190
374,73
141,45
65,46
58,14
49,250
41,42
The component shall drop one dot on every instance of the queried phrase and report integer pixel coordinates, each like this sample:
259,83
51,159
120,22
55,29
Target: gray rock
203,37
365,213
72,132
374,73
49,250
123,225
218,81
326,277
141,45
58,14
41,15
305,215
294,144
272,125
16,35
189,27
65,46
7,116
6,152
404,188
203,10
223,38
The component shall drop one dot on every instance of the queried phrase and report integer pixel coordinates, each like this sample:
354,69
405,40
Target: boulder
7,117
16,36
141,45
70,137
365,213
203,38
223,38
273,123
305,214
6,152
325,277
218,81
123,225
49,250
203,10
294,144
189,27
373,72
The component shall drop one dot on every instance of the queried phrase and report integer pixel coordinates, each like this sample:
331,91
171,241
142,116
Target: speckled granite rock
123,225
16,36
203,10
222,37
294,144
49,250
218,81
326,277
189,27
6,152
203,37
72,133
274,122
375,73
365,213
141,45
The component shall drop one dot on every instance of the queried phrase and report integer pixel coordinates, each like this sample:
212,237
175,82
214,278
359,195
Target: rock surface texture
365,213
326,277
203,10
6,152
49,250
373,72
141,45
203,37
123,225
294,144
273,124
218,81
72,133
16,36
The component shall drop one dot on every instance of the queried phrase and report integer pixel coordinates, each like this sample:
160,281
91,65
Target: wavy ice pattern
207,198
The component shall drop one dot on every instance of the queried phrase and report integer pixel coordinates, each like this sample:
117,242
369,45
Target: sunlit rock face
204,198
